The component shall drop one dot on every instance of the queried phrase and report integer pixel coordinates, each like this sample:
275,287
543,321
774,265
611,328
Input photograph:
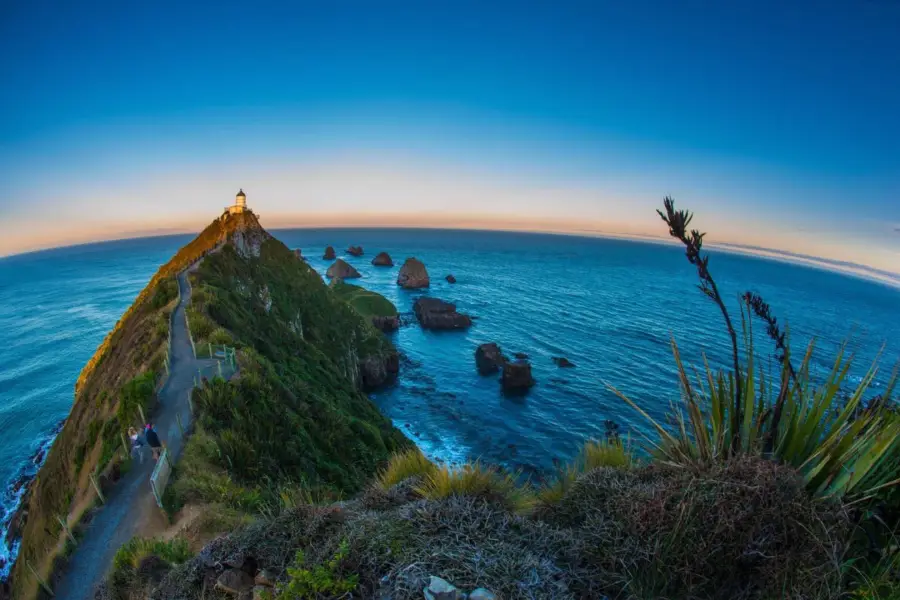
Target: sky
776,122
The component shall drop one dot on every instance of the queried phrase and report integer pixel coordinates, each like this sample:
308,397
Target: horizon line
847,268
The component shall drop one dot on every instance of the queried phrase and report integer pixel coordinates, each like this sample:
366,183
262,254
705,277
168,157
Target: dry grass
479,481
403,465
611,452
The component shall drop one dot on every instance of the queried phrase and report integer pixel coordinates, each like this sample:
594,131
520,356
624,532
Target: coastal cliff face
303,344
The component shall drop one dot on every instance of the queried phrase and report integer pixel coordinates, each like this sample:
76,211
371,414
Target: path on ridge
129,501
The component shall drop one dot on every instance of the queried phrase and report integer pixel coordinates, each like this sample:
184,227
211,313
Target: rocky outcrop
386,324
516,377
234,582
355,251
383,260
378,371
488,358
298,253
329,253
562,362
450,278
433,313
520,356
413,274
342,270
441,589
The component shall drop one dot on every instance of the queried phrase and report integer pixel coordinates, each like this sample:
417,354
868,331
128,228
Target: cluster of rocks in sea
436,314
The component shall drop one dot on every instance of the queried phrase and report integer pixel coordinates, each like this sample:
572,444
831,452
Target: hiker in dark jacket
153,440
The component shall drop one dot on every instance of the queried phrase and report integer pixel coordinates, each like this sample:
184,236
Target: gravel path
129,501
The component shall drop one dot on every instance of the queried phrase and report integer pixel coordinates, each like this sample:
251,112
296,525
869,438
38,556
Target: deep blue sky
786,107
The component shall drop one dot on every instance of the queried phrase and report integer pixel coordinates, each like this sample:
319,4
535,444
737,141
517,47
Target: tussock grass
403,465
479,481
612,452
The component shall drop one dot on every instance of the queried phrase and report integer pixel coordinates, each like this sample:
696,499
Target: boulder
329,253
413,274
437,314
516,376
383,259
440,589
450,278
482,594
355,251
386,324
234,582
378,371
341,269
563,362
265,578
488,358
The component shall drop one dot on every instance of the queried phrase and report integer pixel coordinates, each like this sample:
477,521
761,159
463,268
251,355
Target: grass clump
479,481
610,452
140,563
406,464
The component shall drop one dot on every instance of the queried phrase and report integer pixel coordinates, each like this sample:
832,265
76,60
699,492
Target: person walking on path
137,444
153,440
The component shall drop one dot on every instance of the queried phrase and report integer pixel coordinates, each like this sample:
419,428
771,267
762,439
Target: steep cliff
300,349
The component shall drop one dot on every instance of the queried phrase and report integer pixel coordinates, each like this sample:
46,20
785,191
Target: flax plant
840,449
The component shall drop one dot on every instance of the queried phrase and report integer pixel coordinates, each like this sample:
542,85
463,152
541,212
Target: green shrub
403,465
320,580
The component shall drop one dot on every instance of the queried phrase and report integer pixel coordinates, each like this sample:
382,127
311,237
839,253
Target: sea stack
342,270
516,377
383,259
450,278
437,314
298,253
355,251
413,274
488,358
329,253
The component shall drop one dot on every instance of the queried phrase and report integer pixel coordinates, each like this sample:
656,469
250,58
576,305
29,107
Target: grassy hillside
296,415
366,302
127,369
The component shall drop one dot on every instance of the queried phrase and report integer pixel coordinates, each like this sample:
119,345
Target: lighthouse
240,203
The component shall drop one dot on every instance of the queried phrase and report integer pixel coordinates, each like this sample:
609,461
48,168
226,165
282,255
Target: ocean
610,306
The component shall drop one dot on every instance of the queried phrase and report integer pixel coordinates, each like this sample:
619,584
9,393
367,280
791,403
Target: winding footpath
130,502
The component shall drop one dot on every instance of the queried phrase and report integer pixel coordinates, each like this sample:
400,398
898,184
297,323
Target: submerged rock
413,274
383,259
342,270
563,362
450,278
433,313
520,356
355,251
516,376
329,253
488,358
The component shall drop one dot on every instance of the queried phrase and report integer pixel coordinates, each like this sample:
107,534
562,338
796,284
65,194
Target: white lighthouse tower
240,203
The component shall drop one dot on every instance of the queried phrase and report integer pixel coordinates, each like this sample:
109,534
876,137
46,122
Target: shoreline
13,500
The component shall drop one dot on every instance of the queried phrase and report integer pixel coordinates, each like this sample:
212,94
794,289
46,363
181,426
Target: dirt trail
130,505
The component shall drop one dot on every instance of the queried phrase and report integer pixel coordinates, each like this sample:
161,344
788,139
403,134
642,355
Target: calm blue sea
610,306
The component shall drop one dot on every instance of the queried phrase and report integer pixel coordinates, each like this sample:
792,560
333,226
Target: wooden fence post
180,424
66,527
97,487
125,445
42,583
209,345
141,410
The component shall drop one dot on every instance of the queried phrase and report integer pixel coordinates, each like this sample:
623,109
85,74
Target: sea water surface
610,306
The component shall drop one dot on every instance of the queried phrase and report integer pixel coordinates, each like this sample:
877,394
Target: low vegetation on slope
366,302
296,414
